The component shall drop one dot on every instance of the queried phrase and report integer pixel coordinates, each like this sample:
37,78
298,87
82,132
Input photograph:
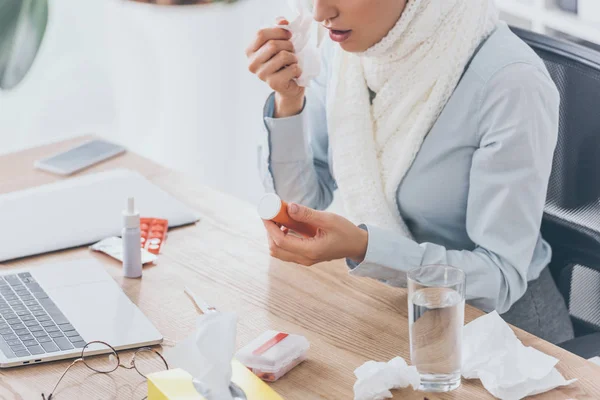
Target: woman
438,127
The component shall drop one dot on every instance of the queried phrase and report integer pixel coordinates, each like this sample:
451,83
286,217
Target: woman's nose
324,10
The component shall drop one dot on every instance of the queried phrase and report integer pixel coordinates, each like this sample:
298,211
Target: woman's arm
295,157
508,184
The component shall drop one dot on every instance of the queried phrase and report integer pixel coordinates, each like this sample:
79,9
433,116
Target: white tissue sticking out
375,379
507,369
307,53
207,354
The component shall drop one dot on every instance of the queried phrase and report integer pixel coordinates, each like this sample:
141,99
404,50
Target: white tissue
375,379
507,369
307,52
207,354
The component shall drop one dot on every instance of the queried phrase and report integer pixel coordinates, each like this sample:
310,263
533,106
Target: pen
200,303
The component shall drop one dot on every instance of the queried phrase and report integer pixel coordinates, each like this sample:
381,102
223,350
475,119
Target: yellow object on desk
176,384
253,386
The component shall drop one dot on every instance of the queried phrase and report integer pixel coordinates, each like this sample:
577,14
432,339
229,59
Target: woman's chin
352,47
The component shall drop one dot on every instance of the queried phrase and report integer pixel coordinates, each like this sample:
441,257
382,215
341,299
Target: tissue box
176,384
252,385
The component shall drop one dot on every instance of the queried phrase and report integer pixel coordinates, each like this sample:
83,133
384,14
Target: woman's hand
271,57
337,238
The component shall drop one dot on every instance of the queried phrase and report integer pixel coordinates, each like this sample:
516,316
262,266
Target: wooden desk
225,259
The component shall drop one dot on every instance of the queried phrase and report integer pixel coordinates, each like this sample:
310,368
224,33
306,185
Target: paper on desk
113,246
207,354
307,53
375,379
507,369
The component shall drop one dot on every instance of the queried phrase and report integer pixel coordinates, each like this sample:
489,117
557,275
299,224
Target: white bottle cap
131,217
269,206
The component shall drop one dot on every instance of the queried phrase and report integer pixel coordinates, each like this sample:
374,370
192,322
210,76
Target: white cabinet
544,16
590,10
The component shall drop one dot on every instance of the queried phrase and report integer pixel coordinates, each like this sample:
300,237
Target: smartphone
80,157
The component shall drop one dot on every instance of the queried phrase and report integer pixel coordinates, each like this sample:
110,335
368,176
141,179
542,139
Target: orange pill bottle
272,208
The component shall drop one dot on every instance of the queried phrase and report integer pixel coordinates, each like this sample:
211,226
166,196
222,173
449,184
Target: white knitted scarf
413,71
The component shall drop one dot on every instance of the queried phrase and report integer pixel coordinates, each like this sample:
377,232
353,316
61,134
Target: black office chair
571,221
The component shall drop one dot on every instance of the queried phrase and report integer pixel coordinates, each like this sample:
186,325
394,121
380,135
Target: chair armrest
573,242
587,346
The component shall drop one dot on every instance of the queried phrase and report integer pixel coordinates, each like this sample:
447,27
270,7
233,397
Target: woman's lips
339,36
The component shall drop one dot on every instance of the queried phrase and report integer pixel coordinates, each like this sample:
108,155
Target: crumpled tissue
375,379
308,55
207,354
506,368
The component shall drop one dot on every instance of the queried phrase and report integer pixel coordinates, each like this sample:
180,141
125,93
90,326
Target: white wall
66,92
168,82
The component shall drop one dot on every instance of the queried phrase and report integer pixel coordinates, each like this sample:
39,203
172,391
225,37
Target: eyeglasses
103,358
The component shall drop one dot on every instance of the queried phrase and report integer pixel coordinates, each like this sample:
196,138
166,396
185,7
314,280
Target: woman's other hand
337,238
271,57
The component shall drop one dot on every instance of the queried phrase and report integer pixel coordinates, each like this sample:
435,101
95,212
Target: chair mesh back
585,293
572,214
574,188
577,157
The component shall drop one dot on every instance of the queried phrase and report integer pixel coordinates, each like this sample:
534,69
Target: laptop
80,211
51,311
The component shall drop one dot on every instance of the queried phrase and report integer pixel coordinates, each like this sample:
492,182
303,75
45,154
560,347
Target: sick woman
436,125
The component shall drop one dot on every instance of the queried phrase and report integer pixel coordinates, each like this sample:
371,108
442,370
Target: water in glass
436,318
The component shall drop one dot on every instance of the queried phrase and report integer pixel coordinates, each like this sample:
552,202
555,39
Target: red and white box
273,354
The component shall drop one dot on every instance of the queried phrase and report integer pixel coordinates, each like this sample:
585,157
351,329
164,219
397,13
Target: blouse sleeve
295,162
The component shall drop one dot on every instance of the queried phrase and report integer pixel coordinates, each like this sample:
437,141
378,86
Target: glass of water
436,314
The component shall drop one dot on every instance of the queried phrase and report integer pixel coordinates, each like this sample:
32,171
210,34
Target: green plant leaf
22,27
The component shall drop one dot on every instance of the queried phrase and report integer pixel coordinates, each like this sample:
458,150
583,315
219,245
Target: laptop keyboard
30,323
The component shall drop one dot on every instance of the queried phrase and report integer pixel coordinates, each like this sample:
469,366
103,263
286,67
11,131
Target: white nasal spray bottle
132,251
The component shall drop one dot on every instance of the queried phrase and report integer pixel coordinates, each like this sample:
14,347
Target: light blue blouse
475,194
